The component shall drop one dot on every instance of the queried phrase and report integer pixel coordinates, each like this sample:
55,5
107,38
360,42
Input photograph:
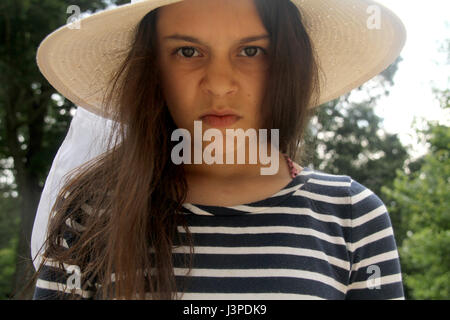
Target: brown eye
187,52
252,51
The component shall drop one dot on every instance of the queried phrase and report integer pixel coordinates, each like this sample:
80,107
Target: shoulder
338,185
327,184
340,195
63,271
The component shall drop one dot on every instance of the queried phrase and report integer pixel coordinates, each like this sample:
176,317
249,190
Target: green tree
422,199
9,226
33,121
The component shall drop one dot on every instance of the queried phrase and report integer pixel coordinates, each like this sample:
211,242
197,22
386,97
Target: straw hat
351,48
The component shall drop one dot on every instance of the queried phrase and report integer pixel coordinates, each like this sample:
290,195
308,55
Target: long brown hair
134,189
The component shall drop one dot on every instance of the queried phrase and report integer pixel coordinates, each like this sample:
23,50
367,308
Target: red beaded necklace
292,169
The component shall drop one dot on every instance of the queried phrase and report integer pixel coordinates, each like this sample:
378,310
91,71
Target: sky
423,67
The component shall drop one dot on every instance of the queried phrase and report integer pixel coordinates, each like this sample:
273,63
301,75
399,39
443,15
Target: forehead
210,19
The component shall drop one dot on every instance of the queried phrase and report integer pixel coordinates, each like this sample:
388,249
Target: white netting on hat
83,142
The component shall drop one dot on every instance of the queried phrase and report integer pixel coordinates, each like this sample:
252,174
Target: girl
134,224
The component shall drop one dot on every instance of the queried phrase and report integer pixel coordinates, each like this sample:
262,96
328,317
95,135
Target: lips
221,118
220,121
220,113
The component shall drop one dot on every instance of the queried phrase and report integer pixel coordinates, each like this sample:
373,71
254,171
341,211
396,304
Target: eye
252,51
188,52
185,50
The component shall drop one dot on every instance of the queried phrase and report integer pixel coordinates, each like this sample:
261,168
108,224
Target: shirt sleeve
61,281
375,265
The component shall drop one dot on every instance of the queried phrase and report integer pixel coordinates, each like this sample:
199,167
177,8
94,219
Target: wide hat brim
79,62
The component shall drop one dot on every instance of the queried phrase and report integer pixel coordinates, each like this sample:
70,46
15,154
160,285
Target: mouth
220,120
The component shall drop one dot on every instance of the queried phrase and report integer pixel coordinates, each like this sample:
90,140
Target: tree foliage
422,199
33,117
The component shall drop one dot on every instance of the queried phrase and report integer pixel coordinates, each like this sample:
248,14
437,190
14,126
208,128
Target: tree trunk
28,187
30,196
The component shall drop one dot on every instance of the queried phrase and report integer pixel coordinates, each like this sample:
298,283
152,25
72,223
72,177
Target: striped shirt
321,237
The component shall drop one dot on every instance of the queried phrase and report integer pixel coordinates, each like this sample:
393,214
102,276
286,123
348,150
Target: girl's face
207,66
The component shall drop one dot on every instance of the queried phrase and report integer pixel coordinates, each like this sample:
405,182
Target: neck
273,164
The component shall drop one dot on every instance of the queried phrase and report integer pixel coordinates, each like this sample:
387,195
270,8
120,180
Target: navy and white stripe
321,237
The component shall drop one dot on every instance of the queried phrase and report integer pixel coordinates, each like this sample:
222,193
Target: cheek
179,101
255,96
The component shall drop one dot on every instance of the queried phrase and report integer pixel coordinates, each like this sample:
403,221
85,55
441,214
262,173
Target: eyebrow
195,40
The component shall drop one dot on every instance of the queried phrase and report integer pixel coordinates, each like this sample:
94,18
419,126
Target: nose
220,78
